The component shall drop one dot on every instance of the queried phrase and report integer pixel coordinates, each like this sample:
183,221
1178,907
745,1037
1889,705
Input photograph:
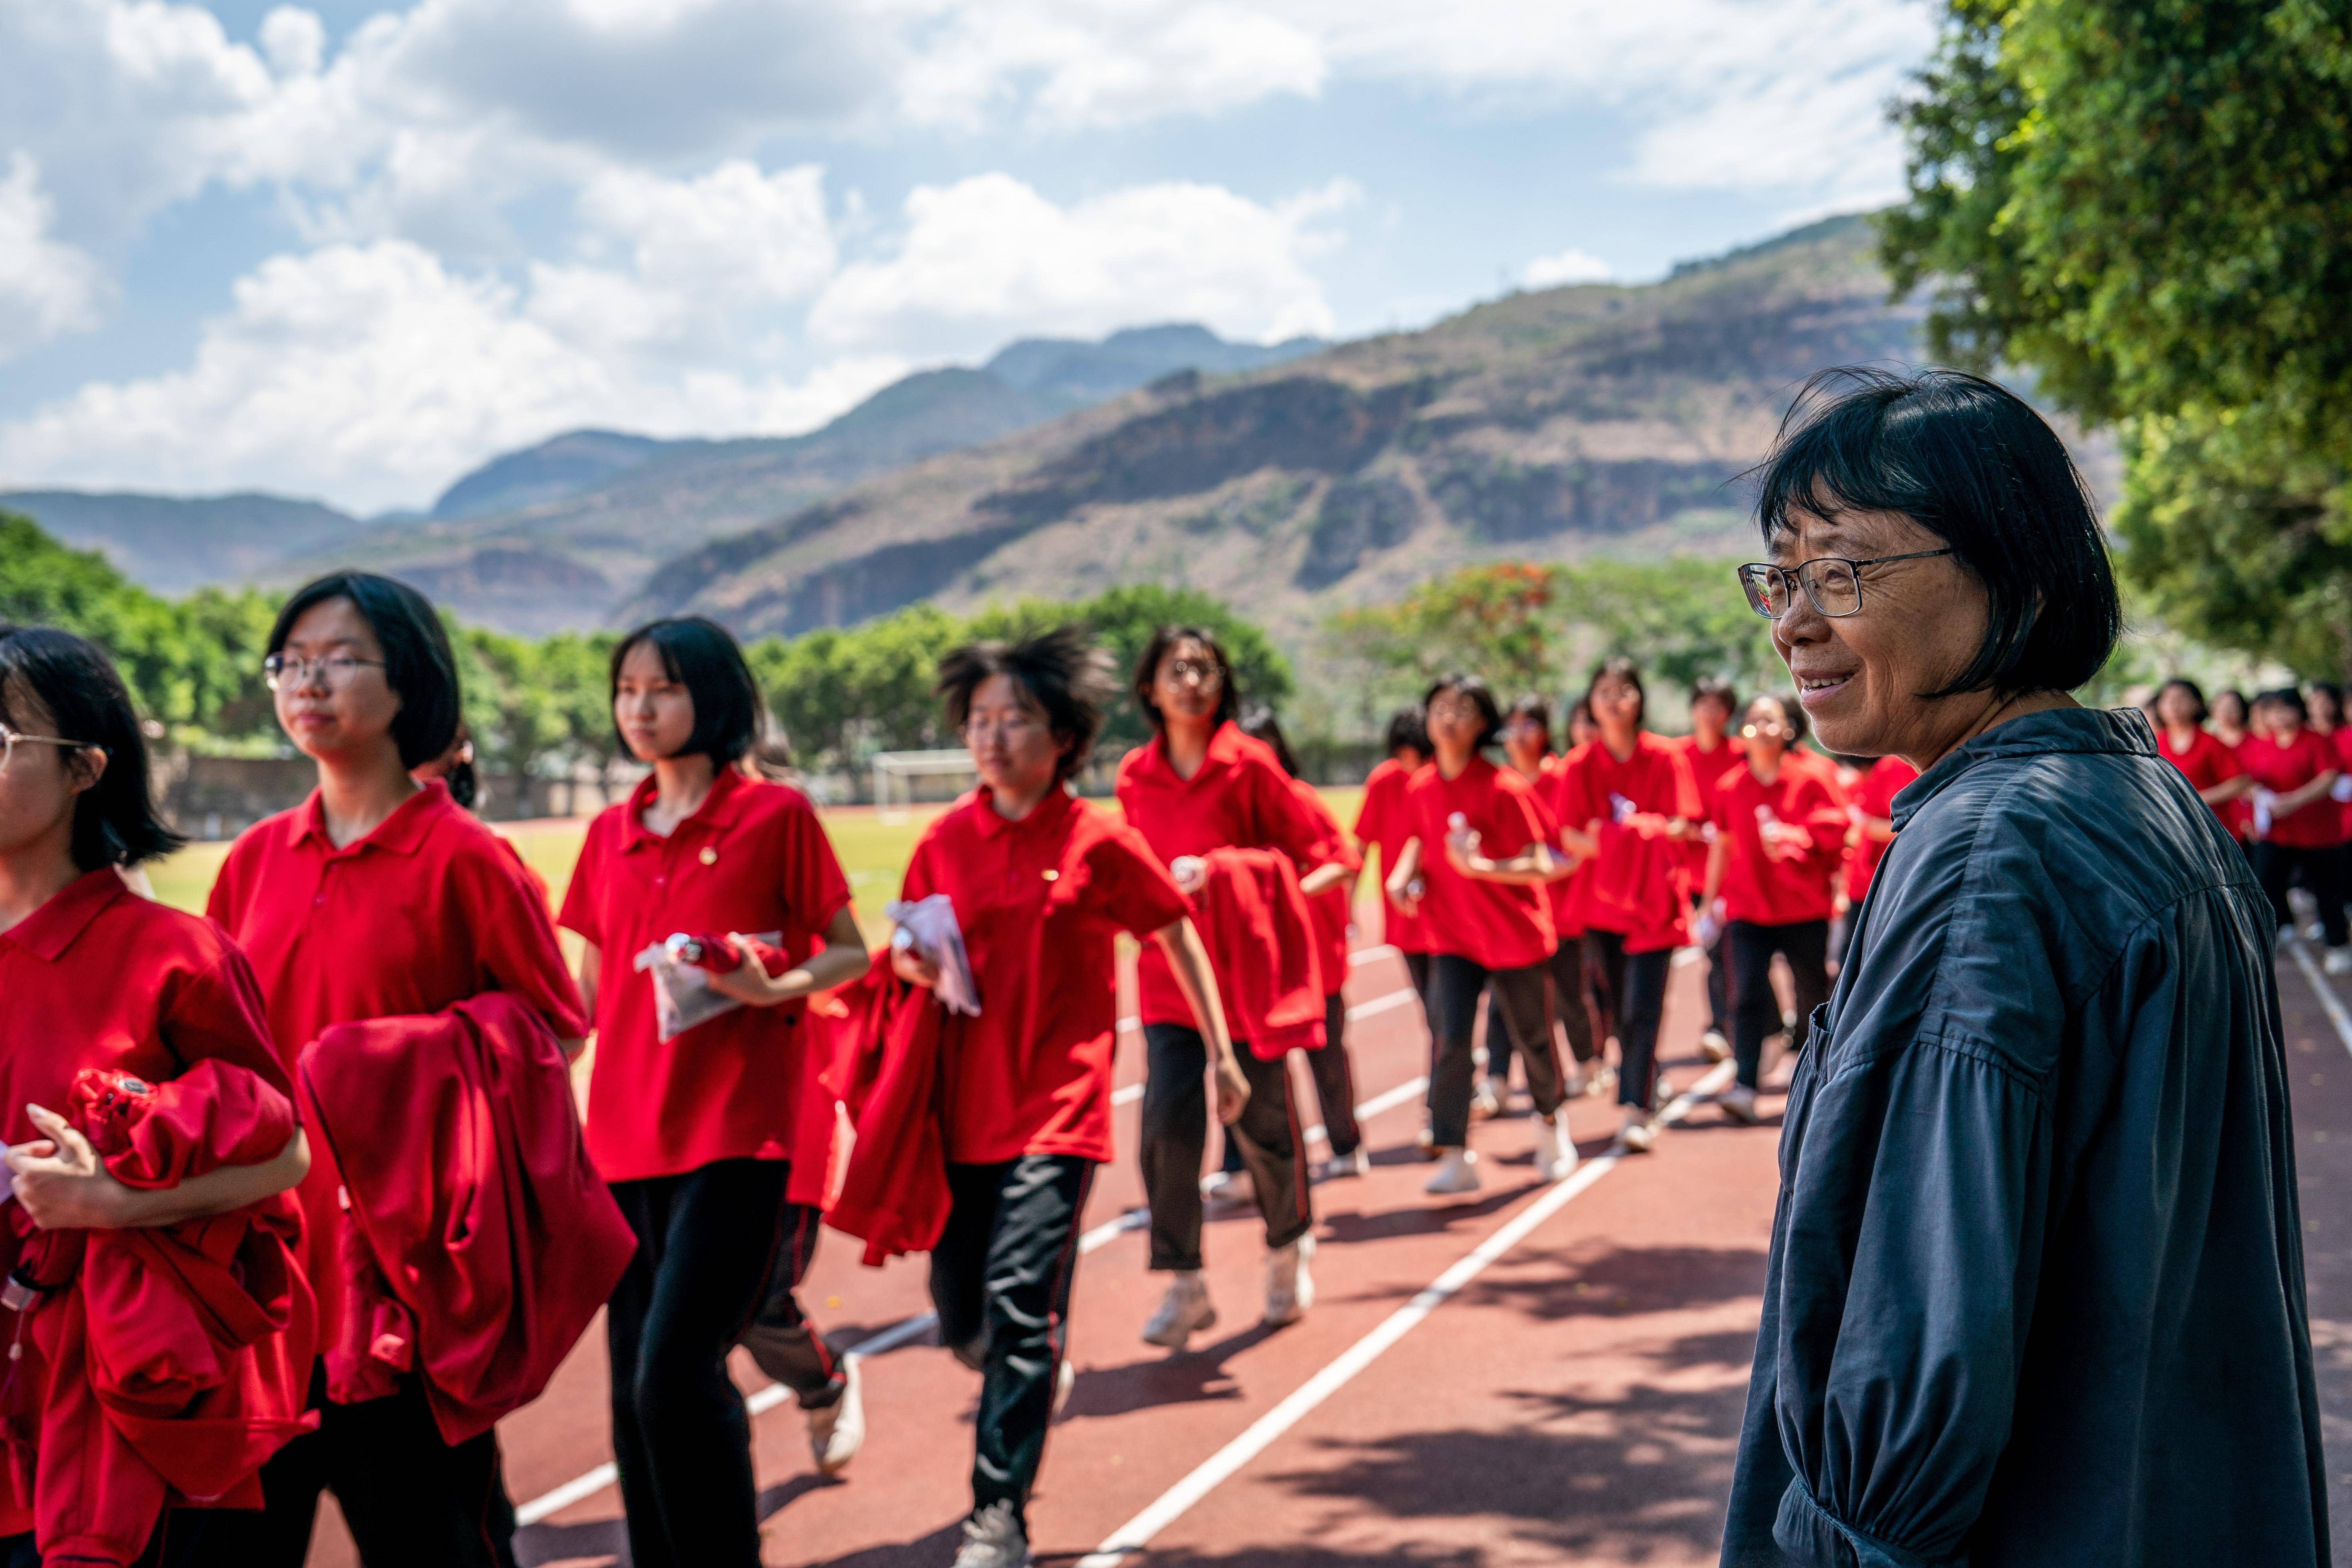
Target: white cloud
988,258
46,289
1570,265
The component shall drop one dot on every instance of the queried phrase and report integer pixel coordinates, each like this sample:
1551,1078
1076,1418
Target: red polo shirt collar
48,931
1225,749
989,822
718,808
400,833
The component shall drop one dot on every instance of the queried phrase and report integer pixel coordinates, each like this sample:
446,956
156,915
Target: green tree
2147,205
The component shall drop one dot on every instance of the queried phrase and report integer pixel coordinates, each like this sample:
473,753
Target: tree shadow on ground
1591,1277
536,1544
1186,1377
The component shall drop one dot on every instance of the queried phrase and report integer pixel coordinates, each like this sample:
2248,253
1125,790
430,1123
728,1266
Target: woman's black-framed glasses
11,738
1832,585
335,670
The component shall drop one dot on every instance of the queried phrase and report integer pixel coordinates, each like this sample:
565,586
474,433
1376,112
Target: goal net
901,779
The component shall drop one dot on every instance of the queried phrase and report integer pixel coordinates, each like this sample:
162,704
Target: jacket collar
49,930
718,809
991,823
2123,730
401,832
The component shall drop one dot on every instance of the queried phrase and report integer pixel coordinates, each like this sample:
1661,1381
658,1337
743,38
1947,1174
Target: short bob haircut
1974,465
2285,697
701,656
1790,709
1618,668
1532,707
2196,695
114,821
1408,729
1260,724
418,663
1146,669
1061,673
1490,716
1714,687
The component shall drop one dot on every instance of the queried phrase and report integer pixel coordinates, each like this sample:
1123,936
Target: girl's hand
1405,896
1233,1091
1462,848
60,1182
913,968
1191,873
748,981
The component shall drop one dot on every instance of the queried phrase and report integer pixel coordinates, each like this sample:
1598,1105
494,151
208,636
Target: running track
1528,1376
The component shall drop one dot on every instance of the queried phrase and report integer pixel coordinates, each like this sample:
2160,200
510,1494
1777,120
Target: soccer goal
897,773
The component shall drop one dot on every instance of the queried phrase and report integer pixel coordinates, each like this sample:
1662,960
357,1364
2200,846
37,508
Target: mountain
1541,425
174,543
561,466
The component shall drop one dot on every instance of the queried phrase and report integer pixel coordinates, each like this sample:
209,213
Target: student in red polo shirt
1871,808
695,1133
1479,852
2298,829
378,898
1379,825
1712,748
1042,883
1771,881
92,976
2182,740
1202,785
1627,801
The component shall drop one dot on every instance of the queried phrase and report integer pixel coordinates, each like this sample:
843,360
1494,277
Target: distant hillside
174,543
1542,426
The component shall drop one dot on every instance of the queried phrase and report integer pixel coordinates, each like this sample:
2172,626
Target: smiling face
1188,683
336,708
1768,732
1920,623
652,708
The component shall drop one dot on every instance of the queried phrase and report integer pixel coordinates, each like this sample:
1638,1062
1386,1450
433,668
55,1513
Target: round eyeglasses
335,670
11,738
1832,584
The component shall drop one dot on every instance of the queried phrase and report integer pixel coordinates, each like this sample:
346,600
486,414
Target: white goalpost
908,766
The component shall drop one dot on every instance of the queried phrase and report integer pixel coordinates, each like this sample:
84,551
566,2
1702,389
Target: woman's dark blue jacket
2035,1294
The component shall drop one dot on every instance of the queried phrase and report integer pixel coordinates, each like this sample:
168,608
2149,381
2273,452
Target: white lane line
569,1492
1136,1532
1686,955
2323,991
1126,1096
1371,954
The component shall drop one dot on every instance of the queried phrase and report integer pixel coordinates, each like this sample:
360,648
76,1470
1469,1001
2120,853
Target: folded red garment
723,954
1262,945
894,1190
482,1241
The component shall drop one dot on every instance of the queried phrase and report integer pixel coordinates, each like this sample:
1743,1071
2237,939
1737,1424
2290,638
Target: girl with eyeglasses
697,1134
378,897
1201,785
1771,874
93,975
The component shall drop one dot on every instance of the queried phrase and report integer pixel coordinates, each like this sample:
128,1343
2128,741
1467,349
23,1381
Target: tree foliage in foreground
2147,203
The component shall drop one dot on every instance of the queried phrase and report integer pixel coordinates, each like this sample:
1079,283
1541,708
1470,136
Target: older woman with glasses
2035,1290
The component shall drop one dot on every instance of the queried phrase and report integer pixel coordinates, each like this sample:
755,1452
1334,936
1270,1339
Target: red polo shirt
1592,785
1874,796
100,977
428,909
751,859
1040,901
1379,822
1800,886
1331,908
1706,768
2208,761
1497,925
1559,896
1239,796
2289,767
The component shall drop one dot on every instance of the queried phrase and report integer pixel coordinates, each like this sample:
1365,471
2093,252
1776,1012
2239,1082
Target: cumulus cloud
988,258
1570,265
46,289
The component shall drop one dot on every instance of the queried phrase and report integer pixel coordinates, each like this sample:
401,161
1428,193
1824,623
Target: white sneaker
1638,1135
1738,1102
2338,961
1065,1380
1289,1284
1358,1164
838,1431
993,1538
1555,1150
1456,1172
1485,1100
1714,1047
1601,1082
1662,1096
1572,1085
1184,1311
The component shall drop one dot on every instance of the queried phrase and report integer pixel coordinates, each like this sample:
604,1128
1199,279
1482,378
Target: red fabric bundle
1262,944
1634,878
482,1241
893,1193
164,1364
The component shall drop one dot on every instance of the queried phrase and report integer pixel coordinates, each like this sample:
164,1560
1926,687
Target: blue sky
348,250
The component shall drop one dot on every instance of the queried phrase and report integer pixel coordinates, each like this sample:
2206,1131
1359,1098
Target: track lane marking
1136,1534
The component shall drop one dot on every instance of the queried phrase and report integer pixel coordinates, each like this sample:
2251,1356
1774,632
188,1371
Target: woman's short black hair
2333,692
2196,694
1490,715
1061,671
418,663
1716,688
701,656
1792,710
1146,669
1409,728
2285,697
1973,464
1260,724
1625,670
114,822
1535,708
2234,695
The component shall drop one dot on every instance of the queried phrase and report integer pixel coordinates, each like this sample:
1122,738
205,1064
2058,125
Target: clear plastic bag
683,994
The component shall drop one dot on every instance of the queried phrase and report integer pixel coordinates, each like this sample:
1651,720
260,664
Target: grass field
873,853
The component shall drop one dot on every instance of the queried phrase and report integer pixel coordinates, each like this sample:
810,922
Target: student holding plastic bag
1038,884
712,907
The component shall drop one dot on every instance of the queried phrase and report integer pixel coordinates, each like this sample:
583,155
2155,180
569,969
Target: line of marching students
298,1198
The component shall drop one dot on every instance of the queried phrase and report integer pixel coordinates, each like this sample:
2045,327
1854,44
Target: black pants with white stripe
1176,1136
1001,1281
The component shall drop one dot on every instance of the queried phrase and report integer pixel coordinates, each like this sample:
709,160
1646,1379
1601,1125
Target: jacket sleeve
1919,1174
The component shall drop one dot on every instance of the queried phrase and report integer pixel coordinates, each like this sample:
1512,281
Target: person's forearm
1584,842
1324,878
2296,800
1408,866
1877,830
822,972
1188,961
1719,856
2228,790
1532,868
230,1188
